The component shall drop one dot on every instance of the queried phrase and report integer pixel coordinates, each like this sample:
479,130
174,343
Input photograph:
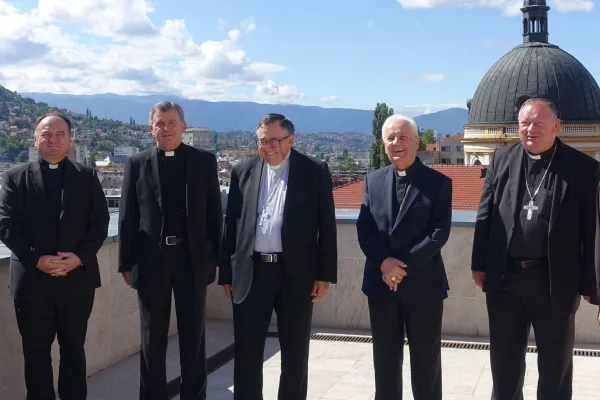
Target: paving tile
349,392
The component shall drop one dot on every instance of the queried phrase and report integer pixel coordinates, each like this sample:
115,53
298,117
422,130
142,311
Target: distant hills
232,116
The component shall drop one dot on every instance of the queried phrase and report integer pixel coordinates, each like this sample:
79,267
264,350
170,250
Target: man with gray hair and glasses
170,226
279,252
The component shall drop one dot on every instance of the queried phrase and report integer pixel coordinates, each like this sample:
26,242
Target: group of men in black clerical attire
536,252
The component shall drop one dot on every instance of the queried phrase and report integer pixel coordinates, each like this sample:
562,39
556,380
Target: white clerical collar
281,164
401,173
533,156
52,166
169,153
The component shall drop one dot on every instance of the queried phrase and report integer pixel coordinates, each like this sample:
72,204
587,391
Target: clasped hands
59,265
393,272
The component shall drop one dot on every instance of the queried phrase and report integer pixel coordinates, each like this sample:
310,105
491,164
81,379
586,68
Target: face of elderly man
52,139
274,143
401,143
538,127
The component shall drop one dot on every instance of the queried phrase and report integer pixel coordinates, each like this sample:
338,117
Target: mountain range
234,116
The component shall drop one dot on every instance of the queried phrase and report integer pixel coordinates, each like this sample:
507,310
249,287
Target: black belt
268,257
528,263
173,240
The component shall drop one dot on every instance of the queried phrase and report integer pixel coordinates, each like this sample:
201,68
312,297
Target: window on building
460,160
446,148
445,161
459,148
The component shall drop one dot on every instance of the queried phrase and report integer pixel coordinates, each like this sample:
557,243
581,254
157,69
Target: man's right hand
393,268
48,265
126,277
479,278
227,290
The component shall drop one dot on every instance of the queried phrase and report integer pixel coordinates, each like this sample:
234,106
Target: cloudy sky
416,55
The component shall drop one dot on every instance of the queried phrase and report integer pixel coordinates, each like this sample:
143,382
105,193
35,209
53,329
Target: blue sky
415,55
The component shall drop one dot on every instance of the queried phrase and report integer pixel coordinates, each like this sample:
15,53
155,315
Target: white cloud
430,78
108,18
270,93
38,56
508,7
248,25
221,24
327,99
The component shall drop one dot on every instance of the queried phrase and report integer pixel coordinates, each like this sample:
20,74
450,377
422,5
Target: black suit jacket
572,223
308,233
141,216
29,231
415,237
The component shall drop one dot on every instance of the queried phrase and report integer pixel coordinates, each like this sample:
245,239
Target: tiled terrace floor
344,371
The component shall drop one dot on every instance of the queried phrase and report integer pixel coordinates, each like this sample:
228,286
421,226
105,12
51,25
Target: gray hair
163,106
397,118
283,122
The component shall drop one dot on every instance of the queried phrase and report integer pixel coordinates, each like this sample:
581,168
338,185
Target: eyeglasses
272,142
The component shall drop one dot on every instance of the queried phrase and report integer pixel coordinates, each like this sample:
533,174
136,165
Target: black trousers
271,289
155,313
55,311
423,324
524,300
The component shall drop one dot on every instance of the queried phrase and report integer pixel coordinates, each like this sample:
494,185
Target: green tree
23,156
427,138
378,157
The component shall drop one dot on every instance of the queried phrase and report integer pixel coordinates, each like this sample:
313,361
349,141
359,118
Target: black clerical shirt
53,186
401,184
530,237
172,171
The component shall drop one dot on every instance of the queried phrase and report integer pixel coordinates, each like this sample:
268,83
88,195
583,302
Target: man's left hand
69,262
319,291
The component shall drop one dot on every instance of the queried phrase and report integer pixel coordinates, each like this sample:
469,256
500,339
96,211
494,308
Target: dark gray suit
308,236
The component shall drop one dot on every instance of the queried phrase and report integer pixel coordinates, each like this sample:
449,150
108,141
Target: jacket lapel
388,192
152,169
35,174
515,178
559,186
253,194
293,185
69,186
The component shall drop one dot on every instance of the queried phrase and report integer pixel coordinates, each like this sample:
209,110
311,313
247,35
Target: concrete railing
114,327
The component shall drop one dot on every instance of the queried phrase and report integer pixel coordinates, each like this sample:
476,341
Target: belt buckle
270,258
171,240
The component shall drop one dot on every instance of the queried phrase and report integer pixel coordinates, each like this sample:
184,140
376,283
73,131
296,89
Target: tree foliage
378,157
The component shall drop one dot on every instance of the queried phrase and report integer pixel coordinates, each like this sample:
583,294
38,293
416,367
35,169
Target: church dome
535,69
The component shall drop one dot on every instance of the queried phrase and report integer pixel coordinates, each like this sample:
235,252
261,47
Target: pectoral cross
530,209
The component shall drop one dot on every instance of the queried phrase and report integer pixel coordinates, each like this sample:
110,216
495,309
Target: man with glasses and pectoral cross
279,253
533,252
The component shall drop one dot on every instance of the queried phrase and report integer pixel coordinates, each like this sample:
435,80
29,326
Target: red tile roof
467,182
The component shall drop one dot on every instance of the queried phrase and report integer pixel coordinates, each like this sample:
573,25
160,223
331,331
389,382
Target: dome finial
535,21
